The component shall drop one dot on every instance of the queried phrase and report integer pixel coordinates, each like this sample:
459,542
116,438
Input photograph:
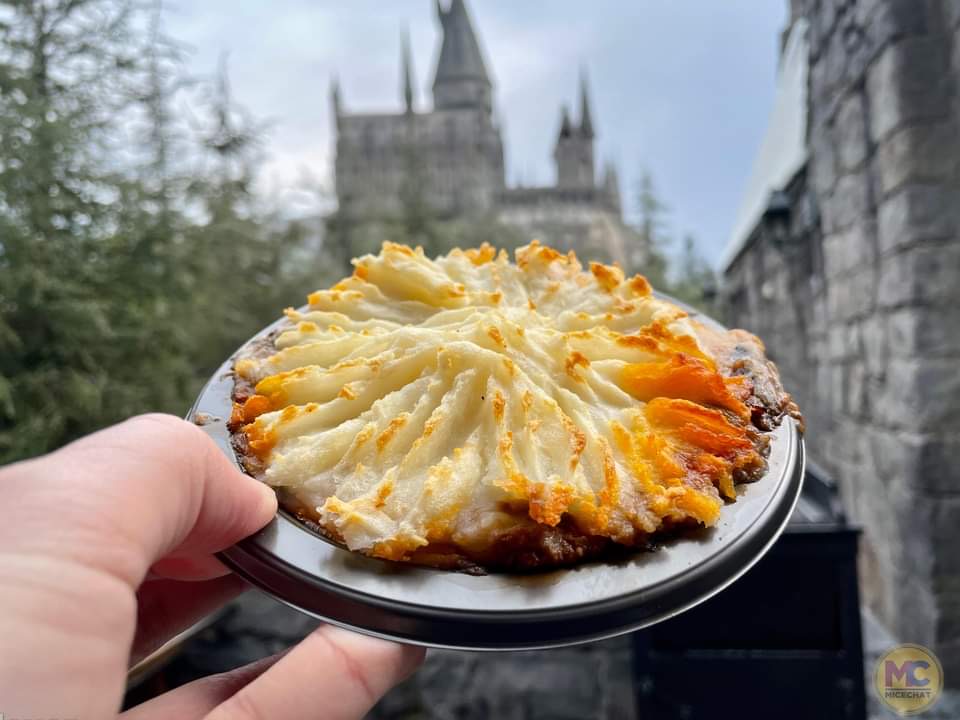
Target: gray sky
680,87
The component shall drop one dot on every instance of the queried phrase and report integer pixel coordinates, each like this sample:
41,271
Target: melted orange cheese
429,401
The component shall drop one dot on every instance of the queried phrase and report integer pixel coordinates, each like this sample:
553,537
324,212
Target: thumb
154,491
81,529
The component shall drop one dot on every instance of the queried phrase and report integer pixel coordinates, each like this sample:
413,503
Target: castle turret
566,129
406,63
586,119
461,80
574,150
335,102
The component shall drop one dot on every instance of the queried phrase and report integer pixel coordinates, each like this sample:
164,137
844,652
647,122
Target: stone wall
450,159
860,304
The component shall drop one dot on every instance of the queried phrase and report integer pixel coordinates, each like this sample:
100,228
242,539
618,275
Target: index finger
333,673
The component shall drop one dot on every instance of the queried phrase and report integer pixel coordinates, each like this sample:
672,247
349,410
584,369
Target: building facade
451,158
851,274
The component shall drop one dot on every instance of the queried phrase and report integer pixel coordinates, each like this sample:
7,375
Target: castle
452,159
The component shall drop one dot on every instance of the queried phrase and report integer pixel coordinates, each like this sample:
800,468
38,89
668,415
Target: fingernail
269,497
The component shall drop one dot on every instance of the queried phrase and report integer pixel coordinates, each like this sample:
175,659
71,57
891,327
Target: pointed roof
460,56
586,120
335,94
566,130
407,71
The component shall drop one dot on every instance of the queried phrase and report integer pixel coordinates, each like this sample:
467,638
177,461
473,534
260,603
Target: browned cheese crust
750,399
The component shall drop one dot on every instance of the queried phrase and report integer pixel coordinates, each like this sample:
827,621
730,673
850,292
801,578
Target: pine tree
114,297
61,64
647,253
694,282
239,253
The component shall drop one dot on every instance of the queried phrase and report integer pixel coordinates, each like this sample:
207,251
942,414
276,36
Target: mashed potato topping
472,410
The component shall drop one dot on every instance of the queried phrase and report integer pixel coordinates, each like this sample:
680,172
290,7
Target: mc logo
908,679
906,674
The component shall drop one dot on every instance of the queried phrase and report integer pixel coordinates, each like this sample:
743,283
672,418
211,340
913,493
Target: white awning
783,150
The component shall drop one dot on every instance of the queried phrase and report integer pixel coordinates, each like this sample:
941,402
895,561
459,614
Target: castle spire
574,150
461,79
407,71
586,120
335,101
566,129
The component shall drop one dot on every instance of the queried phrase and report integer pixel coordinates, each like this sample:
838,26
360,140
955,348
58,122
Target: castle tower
461,80
565,154
574,150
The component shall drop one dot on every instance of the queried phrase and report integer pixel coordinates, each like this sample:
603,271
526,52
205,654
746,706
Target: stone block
821,375
894,455
818,33
848,203
850,131
874,344
864,11
886,21
918,211
927,331
836,397
827,13
843,340
818,88
923,274
938,388
919,395
920,153
859,53
922,463
834,58
848,432
907,84
894,403
844,251
823,160
816,320
856,395
852,296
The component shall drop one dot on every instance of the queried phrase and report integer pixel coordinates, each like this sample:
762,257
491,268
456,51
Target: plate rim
251,556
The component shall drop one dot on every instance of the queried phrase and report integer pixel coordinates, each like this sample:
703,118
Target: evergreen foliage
122,284
134,253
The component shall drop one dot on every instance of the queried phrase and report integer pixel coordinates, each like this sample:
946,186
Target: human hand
106,551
